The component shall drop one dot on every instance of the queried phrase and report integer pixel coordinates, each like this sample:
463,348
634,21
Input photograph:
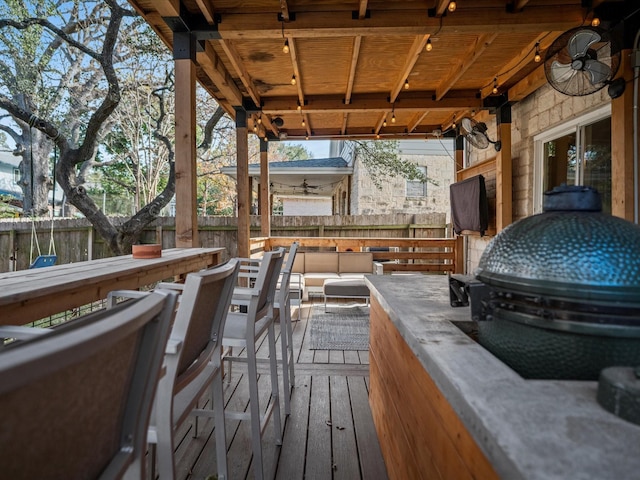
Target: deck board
329,434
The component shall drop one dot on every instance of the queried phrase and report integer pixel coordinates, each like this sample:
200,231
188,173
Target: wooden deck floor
329,434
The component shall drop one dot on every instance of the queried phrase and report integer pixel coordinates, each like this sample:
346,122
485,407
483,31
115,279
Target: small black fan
476,134
582,61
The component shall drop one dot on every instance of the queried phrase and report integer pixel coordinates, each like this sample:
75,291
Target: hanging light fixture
393,117
259,120
429,46
306,137
537,57
293,80
303,123
495,85
406,84
453,122
595,22
255,128
285,48
452,6
384,122
299,107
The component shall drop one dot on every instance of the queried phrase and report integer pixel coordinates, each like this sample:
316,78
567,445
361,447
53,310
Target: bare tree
75,51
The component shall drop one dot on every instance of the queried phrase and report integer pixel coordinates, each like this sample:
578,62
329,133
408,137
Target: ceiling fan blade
466,125
561,72
598,72
478,140
581,41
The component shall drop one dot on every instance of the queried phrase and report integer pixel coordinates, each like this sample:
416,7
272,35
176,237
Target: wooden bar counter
445,408
29,295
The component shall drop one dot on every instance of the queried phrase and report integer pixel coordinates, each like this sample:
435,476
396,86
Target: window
416,188
16,175
577,153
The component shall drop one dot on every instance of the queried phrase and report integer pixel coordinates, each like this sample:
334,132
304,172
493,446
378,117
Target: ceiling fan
476,134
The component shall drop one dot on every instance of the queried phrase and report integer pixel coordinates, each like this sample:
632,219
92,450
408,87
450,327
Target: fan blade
478,140
561,72
581,41
598,72
466,125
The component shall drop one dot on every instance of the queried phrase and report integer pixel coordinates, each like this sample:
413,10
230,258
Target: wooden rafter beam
412,57
441,7
355,54
284,10
416,120
207,10
526,55
414,102
518,5
401,22
241,71
296,69
345,118
213,66
463,64
362,9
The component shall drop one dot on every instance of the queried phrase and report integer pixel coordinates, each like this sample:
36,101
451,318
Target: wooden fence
75,240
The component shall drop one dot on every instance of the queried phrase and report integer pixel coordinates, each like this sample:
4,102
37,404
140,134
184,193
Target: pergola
366,69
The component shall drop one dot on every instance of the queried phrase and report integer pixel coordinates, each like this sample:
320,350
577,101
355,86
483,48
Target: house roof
352,59
317,176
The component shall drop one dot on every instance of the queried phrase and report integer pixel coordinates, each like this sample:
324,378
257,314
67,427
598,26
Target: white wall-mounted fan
582,61
476,134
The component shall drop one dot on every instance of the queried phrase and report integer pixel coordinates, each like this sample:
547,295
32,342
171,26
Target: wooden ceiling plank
472,54
379,122
401,22
355,54
241,71
417,47
207,10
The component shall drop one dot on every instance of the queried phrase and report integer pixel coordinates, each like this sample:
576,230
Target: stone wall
542,110
367,199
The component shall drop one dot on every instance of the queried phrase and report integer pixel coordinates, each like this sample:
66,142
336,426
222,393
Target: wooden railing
432,255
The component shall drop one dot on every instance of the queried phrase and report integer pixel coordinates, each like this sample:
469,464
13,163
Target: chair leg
284,347
217,398
254,407
164,432
275,388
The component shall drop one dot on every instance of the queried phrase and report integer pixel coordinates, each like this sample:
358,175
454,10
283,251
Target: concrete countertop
530,429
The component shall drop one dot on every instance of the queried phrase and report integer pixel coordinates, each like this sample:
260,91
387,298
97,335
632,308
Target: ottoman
345,288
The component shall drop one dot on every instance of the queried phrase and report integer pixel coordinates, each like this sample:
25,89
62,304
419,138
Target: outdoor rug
341,328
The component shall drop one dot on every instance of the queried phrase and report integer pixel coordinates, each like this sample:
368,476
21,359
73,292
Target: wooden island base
420,434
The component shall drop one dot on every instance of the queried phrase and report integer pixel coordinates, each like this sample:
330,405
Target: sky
318,148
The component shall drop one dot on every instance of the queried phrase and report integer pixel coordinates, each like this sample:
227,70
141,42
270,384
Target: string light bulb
429,46
393,118
285,48
453,122
452,6
537,56
495,85
406,84
595,22
293,80
377,136
306,137
303,123
259,120
299,107
384,122
255,128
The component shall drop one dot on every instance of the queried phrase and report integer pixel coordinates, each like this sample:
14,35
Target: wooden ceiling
352,59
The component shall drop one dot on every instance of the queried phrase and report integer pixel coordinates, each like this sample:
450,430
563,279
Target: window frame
415,184
575,125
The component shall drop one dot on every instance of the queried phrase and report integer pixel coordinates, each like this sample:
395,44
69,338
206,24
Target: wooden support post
185,159
504,169
622,146
460,244
265,198
244,192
